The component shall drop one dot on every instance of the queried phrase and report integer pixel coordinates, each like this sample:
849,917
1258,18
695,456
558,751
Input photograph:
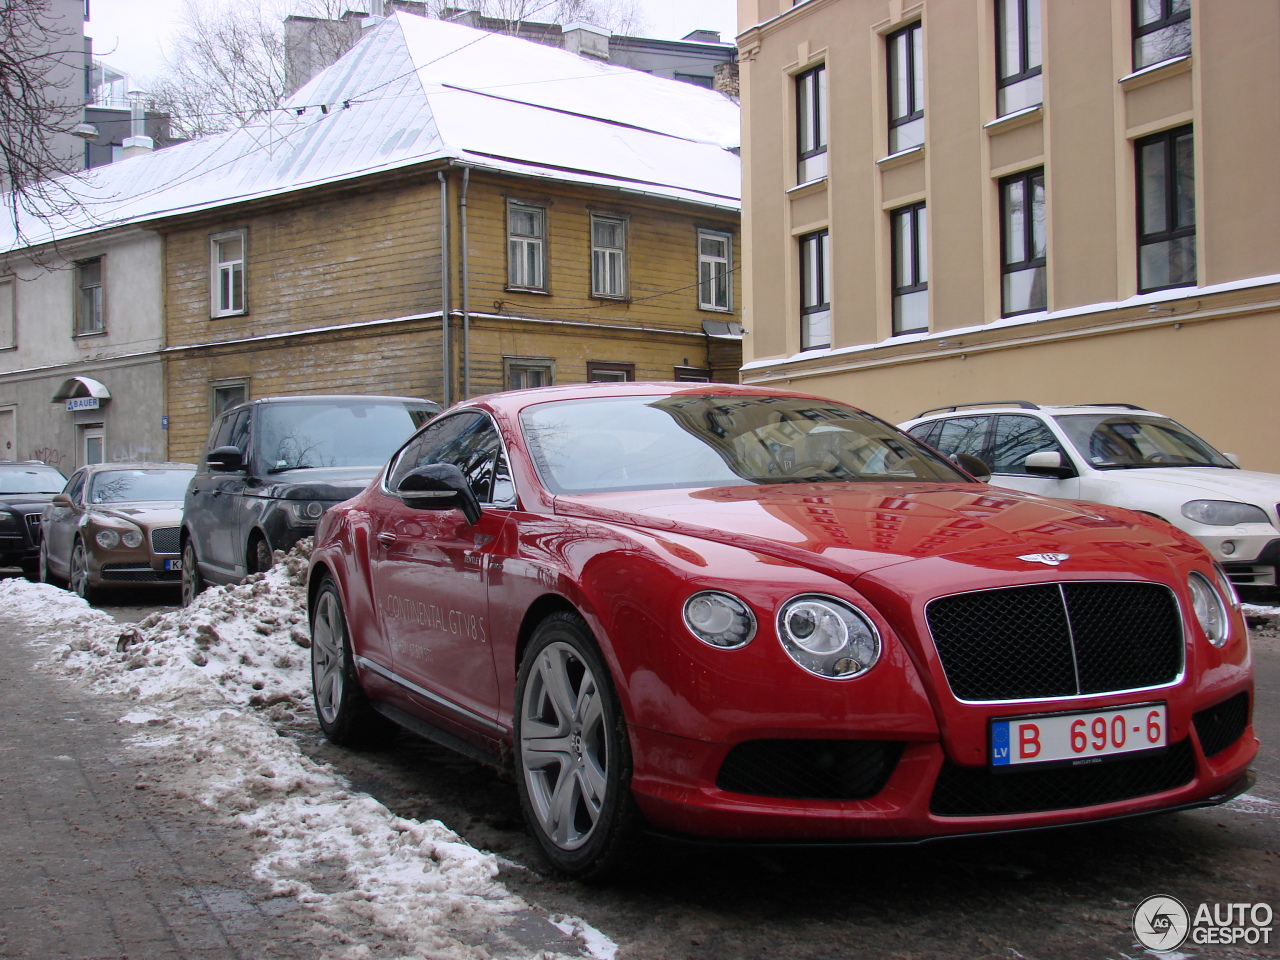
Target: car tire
43,572
261,554
572,752
345,714
79,579
192,582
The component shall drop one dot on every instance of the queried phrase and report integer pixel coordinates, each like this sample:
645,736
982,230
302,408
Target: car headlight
8,520
719,619
108,539
828,637
305,512
1223,513
131,538
1209,608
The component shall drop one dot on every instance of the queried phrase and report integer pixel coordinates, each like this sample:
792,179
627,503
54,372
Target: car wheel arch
539,610
256,536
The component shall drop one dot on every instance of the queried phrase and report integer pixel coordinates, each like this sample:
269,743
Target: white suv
1125,456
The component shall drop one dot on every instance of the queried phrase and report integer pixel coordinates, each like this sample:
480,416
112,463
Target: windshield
136,486
339,433
1111,442
645,443
33,479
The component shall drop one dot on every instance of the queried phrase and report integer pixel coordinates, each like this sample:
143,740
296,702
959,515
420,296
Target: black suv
273,466
25,488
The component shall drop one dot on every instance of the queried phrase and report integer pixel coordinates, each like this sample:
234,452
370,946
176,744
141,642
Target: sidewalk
95,868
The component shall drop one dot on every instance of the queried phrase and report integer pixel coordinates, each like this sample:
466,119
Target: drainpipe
446,298
466,299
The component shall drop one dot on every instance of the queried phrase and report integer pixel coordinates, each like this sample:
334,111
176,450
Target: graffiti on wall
50,455
124,452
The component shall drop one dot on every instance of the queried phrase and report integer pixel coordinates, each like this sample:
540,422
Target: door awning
81,387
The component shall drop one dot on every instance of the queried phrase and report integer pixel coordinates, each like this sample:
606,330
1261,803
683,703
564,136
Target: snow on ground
211,688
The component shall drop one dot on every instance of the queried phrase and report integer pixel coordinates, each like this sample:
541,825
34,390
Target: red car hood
846,530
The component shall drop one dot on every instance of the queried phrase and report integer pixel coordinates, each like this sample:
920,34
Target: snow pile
210,684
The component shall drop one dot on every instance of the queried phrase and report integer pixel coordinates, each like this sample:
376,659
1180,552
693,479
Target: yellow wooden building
572,220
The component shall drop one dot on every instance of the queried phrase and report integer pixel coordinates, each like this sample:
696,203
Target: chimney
586,40
726,79
137,142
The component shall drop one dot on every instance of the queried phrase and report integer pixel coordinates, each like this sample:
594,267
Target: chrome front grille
1057,640
165,539
33,526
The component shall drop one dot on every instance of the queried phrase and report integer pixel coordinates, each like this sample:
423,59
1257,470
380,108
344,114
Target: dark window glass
1161,31
1018,60
469,441
136,486
75,489
811,125
89,315
815,290
925,432
332,433
963,435
910,269
906,88
1023,243
1016,438
1166,210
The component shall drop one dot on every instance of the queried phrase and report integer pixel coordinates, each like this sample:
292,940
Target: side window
218,434
1016,438
470,442
963,435
75,488
238,432
924,432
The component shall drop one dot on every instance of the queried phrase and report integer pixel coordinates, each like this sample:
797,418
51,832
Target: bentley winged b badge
1049,559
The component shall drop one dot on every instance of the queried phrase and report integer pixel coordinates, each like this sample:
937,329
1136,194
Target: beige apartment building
954,201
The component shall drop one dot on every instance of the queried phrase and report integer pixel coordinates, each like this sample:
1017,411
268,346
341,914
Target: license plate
1077,738
173,564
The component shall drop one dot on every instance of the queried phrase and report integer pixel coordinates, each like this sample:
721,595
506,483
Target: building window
906,88
714,270
522,373
598,372
815,290
89,306
811,125
692,375
526,246
1022,243
226,274
697,79
8,313
225,394
1166,210
910,239
1161,31
608,256
1018,61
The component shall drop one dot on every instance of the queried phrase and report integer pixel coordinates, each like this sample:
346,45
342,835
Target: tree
41,82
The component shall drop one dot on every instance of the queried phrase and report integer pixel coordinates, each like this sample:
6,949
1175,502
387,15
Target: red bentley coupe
751,614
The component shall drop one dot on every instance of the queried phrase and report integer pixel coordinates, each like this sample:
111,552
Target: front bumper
1258,572
677,785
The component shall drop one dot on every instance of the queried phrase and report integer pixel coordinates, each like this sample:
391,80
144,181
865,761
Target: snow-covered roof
414,90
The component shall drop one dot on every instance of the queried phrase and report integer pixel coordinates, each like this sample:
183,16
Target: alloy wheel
327,642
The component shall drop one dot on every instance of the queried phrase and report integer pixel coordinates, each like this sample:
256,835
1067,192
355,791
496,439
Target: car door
431,571
58,527
957,435
212,507
1013,439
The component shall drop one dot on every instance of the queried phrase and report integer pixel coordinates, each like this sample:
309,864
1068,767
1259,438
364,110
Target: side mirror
225,459
439,486
61,500
1048,463
972,465
1235,461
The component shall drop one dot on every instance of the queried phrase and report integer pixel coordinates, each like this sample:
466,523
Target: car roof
962,409
329,398
515,400
139,465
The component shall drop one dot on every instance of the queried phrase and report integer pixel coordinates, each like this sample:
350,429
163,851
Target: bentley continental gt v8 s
754,615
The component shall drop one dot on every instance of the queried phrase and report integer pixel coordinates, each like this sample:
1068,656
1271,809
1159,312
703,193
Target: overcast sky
130,34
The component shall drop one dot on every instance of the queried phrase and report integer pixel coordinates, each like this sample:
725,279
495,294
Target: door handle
386,538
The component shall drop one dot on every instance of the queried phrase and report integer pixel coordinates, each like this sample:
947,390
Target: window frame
1140,30
8,312
915,75
224,384
1027,180
704,303
687,374
1005,80
80,329
1169,138
628,371
527,364
816,276
811,117
918,212
524,240
622,221
218,266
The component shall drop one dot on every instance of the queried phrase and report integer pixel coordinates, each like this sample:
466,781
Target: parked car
25,488
1128,457
273,466
115,525
750,614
